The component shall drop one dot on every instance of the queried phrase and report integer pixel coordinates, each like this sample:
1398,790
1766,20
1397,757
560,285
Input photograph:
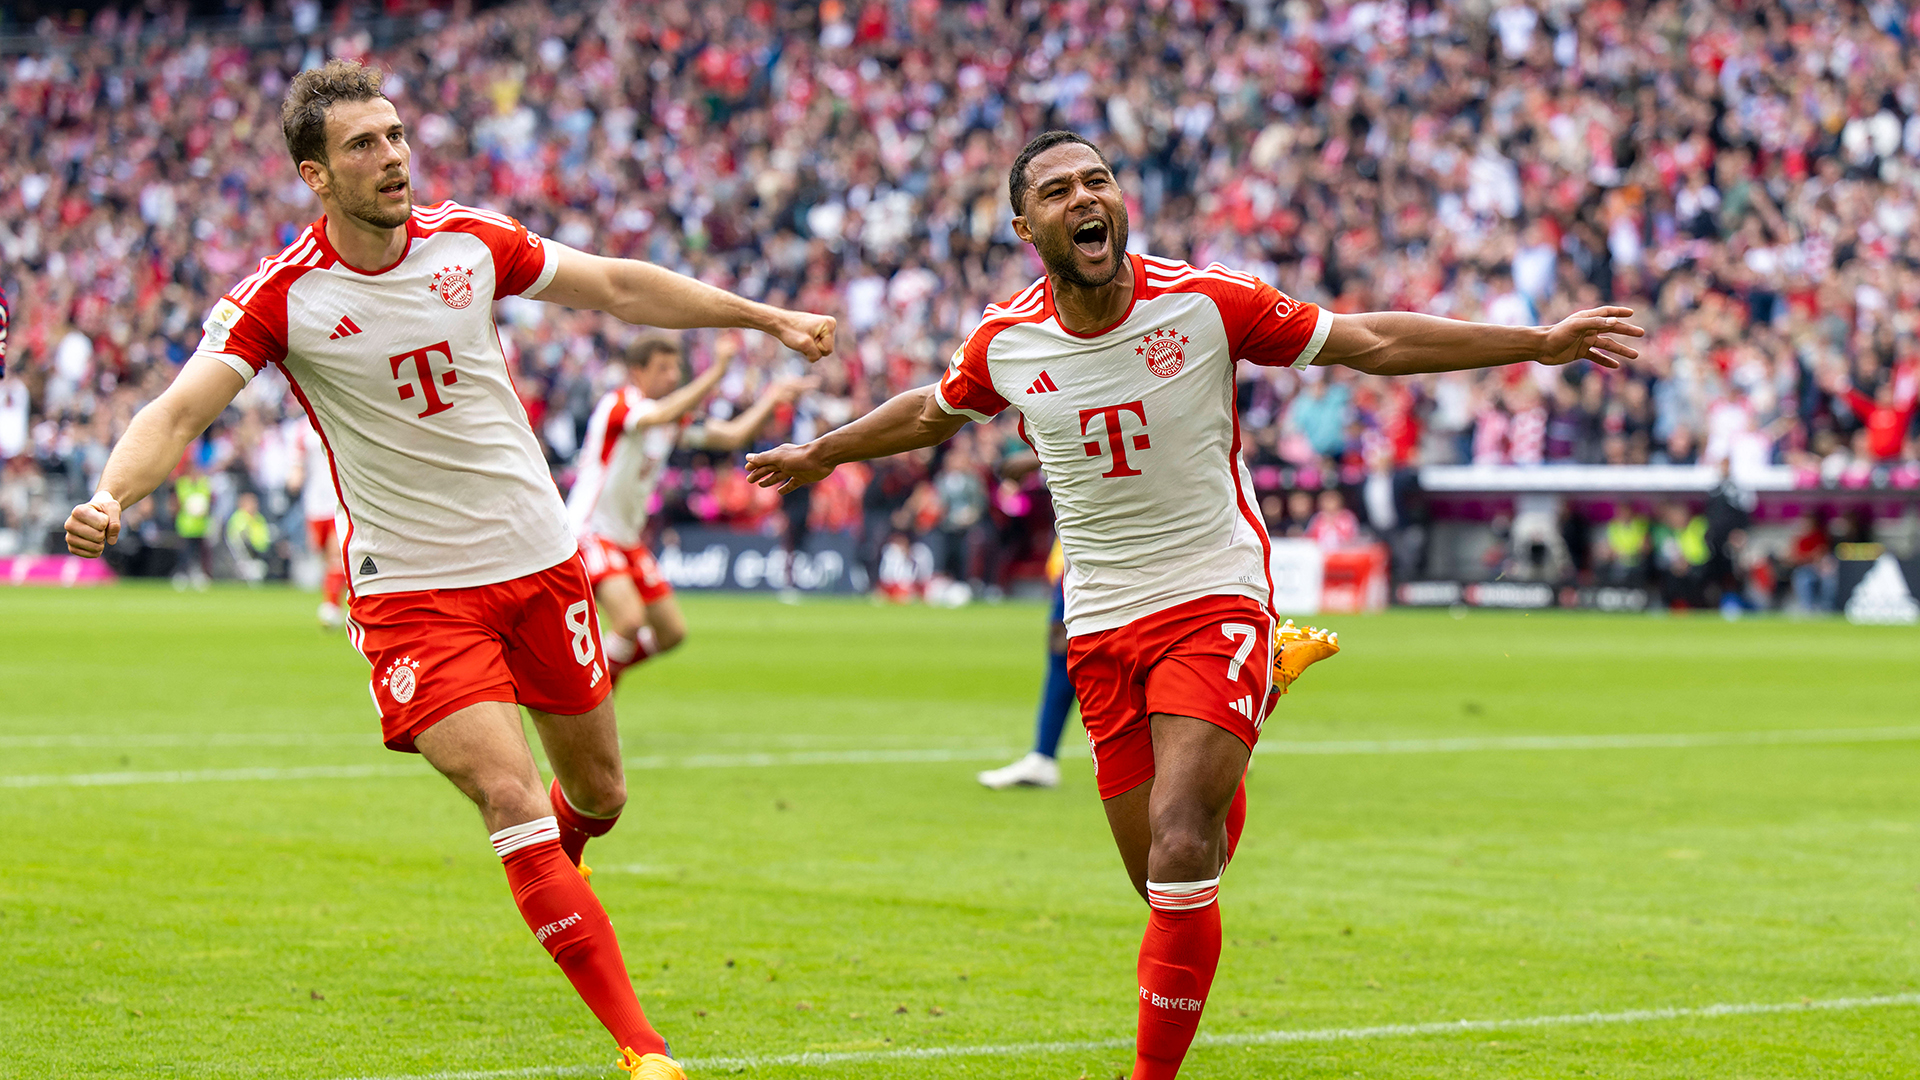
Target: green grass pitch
808,866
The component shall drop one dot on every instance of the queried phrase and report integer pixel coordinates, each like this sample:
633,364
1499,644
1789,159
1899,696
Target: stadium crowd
1744,175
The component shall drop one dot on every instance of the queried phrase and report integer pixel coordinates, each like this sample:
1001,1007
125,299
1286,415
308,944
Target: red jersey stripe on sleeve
520,258
967,388
1264,325
247,329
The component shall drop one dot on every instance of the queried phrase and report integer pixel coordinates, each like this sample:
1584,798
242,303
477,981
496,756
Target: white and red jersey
619,468
1137,433
318,500
401,372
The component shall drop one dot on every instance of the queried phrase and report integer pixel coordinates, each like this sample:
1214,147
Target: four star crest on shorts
402,679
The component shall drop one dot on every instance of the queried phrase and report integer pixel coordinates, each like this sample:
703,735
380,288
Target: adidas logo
367,568
1882,597
344,329
1244,707
1043,385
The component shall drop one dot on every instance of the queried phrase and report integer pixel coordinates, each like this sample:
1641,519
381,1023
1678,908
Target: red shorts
1210,658
319,533
534,640
606,559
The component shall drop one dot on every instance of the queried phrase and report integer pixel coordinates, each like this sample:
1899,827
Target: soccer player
1121,368
312,477
629,437
1041,765
468,596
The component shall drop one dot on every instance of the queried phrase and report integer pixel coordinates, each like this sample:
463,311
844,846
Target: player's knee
604,798
1186,850
669,636
508,797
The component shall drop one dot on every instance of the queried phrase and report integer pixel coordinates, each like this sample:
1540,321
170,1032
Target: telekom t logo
423,377
1116,435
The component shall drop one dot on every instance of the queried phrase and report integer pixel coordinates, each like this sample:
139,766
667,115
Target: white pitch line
144,740
818,757
1261,1038
806,758
211,776
1651,741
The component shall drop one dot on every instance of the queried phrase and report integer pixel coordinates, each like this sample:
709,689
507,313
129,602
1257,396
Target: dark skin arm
1408,343
909,421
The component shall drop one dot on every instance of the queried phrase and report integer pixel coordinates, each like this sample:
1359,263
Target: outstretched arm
907,422
1407,343
648,295
677,404
150,449
736,433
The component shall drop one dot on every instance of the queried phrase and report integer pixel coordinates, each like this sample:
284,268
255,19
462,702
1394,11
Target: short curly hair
303,115
1017,180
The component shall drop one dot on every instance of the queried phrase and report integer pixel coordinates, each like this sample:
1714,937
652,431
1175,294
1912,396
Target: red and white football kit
446,495
620,468
1169,603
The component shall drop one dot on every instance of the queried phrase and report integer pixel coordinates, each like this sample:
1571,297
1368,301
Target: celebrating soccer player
467,593
1122,370
629,437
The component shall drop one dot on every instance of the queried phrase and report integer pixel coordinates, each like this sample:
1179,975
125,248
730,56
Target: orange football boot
649,1066
1296,649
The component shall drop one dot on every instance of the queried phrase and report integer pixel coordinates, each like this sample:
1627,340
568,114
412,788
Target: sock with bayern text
576,828
1178,956
568,920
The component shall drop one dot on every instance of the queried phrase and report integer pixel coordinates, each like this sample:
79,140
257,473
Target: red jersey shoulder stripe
303,248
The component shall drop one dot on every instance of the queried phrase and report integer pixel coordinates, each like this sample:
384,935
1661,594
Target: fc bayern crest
402,679
1164,352
453,284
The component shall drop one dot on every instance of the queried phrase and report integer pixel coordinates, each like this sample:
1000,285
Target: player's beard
1061,258
373,211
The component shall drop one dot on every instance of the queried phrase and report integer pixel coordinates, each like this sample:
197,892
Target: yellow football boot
649,1066
586,872
1296,649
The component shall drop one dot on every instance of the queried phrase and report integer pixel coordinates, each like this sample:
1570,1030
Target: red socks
334,583
567,918
576,828
1236,818
1177,960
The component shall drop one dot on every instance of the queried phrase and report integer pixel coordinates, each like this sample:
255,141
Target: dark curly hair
1017,182
303,115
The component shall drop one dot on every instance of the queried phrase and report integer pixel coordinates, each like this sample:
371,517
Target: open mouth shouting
1093,238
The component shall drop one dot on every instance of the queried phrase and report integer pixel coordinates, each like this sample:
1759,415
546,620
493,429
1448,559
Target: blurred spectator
1624,548
249,538
1680,554
1811,567
1333,526
1747,179
192,518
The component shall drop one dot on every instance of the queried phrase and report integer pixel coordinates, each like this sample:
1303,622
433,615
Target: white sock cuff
1182,895
526,834
618,649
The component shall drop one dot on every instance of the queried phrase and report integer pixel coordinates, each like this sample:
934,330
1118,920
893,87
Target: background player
469,598
312,477
633,430
1123,370
1041,765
